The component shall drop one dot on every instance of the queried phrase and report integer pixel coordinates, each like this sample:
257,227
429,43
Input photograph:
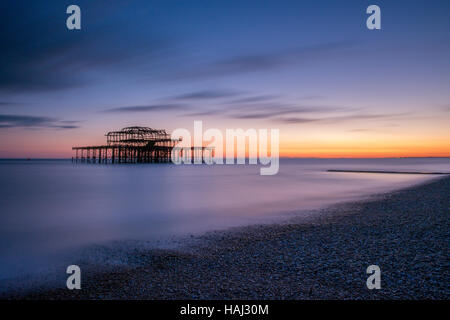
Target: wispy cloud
344,118
296,120
264,110
276,111
44,56
365,116
206,95
268,61
359,130
253,99
211,112
27,121
8,103
148,108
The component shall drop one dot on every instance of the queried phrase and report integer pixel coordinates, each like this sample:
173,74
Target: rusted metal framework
139,137
136,145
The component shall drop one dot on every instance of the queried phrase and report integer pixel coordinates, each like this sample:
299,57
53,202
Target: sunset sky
309,68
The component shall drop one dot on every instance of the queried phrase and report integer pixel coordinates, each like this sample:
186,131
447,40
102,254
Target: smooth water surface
48,207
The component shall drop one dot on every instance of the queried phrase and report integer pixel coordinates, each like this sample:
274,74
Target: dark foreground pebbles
405,233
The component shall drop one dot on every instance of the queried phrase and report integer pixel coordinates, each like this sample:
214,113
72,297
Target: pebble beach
406,233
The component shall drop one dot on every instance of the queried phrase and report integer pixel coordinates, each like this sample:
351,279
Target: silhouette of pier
139,145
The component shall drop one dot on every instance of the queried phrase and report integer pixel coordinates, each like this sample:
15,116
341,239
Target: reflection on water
51,206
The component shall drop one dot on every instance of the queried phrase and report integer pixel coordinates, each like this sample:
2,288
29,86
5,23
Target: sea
54,212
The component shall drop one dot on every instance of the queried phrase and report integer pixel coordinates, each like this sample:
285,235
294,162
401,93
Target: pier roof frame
137,136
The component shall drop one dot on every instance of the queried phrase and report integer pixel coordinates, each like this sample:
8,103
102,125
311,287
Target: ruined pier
138,145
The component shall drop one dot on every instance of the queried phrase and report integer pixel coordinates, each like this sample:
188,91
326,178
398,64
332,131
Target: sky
311,69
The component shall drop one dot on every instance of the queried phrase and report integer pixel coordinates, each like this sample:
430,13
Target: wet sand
406,233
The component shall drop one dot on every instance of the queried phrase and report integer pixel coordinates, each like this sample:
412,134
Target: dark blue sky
310,68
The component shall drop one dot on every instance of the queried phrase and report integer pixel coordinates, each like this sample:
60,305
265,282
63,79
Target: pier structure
139,145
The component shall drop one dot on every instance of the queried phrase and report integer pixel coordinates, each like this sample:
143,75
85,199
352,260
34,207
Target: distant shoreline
391,172
287,158
404,232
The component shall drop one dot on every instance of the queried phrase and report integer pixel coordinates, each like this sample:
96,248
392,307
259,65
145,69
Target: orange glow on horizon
308,144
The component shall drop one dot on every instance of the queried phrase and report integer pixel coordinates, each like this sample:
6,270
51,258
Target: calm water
48,208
